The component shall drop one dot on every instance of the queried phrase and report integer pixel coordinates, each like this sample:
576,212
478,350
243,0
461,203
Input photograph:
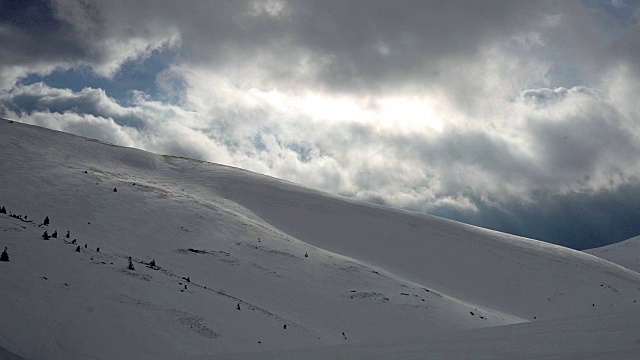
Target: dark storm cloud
594,137
507,114
581,143
31,34
340,45
352,44
384,42
38,37
577,220
628,47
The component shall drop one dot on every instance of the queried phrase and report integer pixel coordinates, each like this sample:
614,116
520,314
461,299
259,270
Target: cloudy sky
520,116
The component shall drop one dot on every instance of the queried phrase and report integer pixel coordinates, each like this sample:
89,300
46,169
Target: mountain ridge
624,253
333,270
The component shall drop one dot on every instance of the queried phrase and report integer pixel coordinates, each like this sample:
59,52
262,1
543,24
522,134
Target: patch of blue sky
133,75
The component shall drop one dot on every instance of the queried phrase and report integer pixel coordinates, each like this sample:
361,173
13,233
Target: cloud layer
503,115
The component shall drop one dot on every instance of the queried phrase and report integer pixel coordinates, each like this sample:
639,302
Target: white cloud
556,140
464,105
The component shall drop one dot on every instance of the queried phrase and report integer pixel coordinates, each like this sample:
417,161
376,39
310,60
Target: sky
519,116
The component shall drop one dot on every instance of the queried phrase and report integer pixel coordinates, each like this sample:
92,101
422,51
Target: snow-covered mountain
625,253
245,262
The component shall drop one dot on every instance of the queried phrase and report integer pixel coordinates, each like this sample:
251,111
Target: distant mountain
226,260
625,253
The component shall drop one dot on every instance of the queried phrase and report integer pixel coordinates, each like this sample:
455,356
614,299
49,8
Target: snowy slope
605,336
625,253
372,272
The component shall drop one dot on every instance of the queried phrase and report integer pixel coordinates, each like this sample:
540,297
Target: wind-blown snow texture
332,270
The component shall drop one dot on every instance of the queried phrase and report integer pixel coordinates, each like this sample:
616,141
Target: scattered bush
4,256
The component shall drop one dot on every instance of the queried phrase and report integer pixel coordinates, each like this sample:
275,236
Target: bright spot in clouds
408,115
385,114
518,116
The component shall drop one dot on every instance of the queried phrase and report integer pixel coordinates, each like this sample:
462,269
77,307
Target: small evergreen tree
130,267
306,254
115,190
46,221
5,255
45,235
55,234
97,249
152,264
238,306
78,248
68,234
3,210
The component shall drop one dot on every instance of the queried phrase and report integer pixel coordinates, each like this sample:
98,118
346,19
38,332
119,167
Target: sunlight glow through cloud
460,108
401,114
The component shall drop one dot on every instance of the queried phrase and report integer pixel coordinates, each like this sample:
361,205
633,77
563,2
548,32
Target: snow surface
625,253
375,274
614,335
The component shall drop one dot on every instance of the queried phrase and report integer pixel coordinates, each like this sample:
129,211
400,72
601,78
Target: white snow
625,253
378,274
611,335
